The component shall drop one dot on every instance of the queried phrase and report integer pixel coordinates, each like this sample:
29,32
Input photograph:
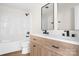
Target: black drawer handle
34,45
55,46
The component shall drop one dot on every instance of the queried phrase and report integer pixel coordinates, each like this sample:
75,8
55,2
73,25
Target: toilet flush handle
27,36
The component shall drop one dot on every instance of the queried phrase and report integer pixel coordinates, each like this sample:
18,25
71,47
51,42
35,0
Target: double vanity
60,16
50,45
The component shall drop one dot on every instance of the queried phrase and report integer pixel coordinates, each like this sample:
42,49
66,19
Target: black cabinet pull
34,39
34,45
55,46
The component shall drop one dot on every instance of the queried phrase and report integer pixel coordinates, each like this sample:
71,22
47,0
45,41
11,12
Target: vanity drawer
49,42
37,39
61,47
53,43
63,51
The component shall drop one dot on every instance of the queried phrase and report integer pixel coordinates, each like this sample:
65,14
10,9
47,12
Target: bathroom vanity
43,45
60,16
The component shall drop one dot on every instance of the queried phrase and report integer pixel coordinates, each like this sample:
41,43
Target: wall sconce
27,12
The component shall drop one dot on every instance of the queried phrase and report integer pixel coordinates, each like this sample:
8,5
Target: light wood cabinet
35,49
46,47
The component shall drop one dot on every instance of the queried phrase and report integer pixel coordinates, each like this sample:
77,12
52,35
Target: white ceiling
22,5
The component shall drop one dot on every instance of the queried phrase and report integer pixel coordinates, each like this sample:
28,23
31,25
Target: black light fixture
27,11
26,14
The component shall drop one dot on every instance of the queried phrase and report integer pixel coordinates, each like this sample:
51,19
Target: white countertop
72,40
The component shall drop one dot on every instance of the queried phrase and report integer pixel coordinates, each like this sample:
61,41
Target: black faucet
67,33
45,32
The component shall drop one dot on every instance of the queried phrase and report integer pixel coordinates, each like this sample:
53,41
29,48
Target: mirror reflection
67,16
47,17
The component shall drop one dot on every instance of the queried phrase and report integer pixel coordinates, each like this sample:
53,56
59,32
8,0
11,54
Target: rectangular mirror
67,16
47,17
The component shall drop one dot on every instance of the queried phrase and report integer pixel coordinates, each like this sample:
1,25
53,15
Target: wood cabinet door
54,54
31,49
45,51
35,49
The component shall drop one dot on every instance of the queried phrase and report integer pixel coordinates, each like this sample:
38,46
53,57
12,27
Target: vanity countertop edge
54,38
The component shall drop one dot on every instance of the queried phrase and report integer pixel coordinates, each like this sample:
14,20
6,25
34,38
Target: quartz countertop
72,40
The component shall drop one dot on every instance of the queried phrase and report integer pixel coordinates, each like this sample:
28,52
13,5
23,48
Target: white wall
36,18
13,23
